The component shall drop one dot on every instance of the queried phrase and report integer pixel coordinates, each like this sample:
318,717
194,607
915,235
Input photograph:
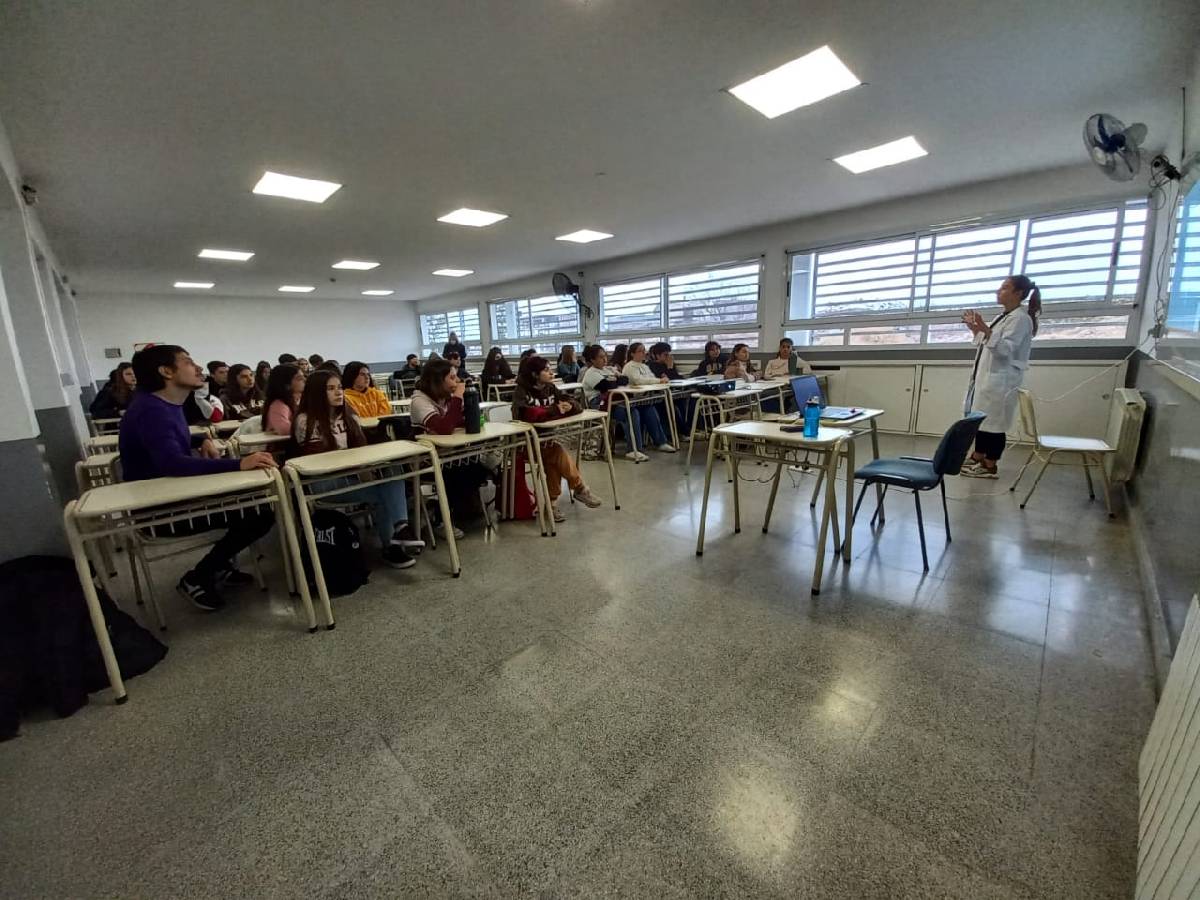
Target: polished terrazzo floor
604,714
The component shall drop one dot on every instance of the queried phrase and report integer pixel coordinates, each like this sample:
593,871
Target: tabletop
569,385
228,426
356,457
261,439
641,388
490,430
129,496
101,460
865,414
586,416
771,431
104,441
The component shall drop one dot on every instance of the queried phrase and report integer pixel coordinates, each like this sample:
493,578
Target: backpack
340,551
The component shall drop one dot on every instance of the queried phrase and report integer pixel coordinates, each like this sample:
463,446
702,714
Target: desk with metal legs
575,428
646,395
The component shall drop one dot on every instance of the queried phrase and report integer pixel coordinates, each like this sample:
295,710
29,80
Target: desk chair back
955,444
1028,417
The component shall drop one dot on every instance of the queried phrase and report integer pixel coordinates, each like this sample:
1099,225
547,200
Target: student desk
226,427
501,392
402,407
716,409
573,388
261,440
575,428
761,441
105,426
324,475
646,395
117,510
506,438
101,443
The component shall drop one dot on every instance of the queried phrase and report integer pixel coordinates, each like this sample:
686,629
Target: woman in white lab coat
1001,358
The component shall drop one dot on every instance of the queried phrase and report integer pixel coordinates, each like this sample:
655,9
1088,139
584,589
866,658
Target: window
691,307
1183,313
528,320
911,289
436,328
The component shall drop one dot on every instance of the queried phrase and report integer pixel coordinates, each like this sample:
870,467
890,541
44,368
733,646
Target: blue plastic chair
916,473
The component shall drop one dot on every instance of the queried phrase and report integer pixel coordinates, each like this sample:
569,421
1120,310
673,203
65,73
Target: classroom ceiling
144,125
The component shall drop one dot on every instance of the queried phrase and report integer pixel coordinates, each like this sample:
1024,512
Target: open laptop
807,386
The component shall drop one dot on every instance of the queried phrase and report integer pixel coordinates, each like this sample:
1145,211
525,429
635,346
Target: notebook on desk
805,387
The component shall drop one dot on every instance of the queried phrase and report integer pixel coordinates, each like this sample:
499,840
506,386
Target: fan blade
1136,133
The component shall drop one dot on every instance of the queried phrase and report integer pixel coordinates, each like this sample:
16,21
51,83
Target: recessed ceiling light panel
584,236
801,82
200,285
454,273
296,288
310,189
236,255
360,264
884,155
378,293
476,218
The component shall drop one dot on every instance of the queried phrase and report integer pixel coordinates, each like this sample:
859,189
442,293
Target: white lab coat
1003,359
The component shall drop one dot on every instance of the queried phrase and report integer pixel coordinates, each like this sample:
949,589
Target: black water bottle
471,414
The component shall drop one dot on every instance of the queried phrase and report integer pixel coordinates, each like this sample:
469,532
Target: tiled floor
606,714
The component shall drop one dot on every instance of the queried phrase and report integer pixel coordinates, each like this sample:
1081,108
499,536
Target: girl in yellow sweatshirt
364,398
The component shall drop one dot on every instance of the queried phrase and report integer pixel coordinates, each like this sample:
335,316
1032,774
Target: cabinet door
1084,412
889,388
940,401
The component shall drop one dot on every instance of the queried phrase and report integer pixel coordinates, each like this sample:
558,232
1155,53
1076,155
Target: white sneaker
441,529
585,496
557,513
666,448
636,456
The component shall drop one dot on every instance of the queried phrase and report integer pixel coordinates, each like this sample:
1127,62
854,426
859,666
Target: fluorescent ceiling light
238,255
296,288
204,285
584,236
477,218
806,80
884,155
361,264
378,293
310,189
454,273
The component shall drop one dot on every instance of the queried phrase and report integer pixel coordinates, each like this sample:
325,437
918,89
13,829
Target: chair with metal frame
918,473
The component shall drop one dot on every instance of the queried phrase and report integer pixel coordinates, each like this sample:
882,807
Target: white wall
1035,192
241,330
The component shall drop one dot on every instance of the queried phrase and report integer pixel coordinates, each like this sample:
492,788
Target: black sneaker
397,557
234,577
202,593
406,537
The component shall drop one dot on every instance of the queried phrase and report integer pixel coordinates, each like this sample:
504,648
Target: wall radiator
1169,780
1125,417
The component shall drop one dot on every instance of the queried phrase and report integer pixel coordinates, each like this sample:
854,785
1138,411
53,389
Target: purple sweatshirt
155,442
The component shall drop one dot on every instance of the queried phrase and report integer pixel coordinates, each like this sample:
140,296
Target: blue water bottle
812,417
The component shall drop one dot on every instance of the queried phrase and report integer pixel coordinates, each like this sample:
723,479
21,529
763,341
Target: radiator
1169,781
1125,417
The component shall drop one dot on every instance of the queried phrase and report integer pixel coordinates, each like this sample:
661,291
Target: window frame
470,343
560,337
664,312
926,317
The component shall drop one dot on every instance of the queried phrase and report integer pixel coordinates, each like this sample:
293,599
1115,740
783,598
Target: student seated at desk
437,407
619,355
568,366
364,398
536,399
410,372
785,363
261,373
154,443
714,361
284,389
639,373
740,364
324,422
599,380
218,377
114,397
241,398
496,370
460,367
662,364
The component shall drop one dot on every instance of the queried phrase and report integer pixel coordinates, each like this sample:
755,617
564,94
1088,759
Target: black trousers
990,444
245,527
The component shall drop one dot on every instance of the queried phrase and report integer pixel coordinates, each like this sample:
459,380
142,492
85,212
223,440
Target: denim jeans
388,499
646,417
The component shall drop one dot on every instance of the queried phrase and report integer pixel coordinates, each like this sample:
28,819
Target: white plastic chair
1087,453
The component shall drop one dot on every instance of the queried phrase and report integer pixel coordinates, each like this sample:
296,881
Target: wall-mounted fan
565,287
1117,150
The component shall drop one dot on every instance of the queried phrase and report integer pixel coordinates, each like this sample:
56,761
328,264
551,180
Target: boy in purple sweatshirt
155,442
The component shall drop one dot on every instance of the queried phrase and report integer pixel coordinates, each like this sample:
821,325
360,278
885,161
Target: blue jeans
643,417
389,500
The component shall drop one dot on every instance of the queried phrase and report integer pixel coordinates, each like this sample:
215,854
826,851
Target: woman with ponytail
1001,358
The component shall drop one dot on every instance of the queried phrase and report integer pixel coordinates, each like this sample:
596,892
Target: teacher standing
1001,358
454,345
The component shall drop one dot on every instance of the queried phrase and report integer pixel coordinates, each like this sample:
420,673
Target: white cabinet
940,400
889,388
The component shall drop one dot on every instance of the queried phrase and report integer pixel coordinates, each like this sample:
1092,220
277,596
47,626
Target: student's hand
258,460
209,450
663,379
565,406
460,389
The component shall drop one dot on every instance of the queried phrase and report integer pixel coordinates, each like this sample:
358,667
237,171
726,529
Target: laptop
805,387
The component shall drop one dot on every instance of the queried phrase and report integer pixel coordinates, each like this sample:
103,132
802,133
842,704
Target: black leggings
990,444
245,527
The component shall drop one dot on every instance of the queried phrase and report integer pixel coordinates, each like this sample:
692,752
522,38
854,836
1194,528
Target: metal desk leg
712,443
700,400
310,538
737,502
444,506
826,512
284,550
774,491
670,405
612,473
533,449
632,438
846,548
874,455
99,625
292,559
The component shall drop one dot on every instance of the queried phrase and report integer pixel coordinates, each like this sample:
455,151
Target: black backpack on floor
340,550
